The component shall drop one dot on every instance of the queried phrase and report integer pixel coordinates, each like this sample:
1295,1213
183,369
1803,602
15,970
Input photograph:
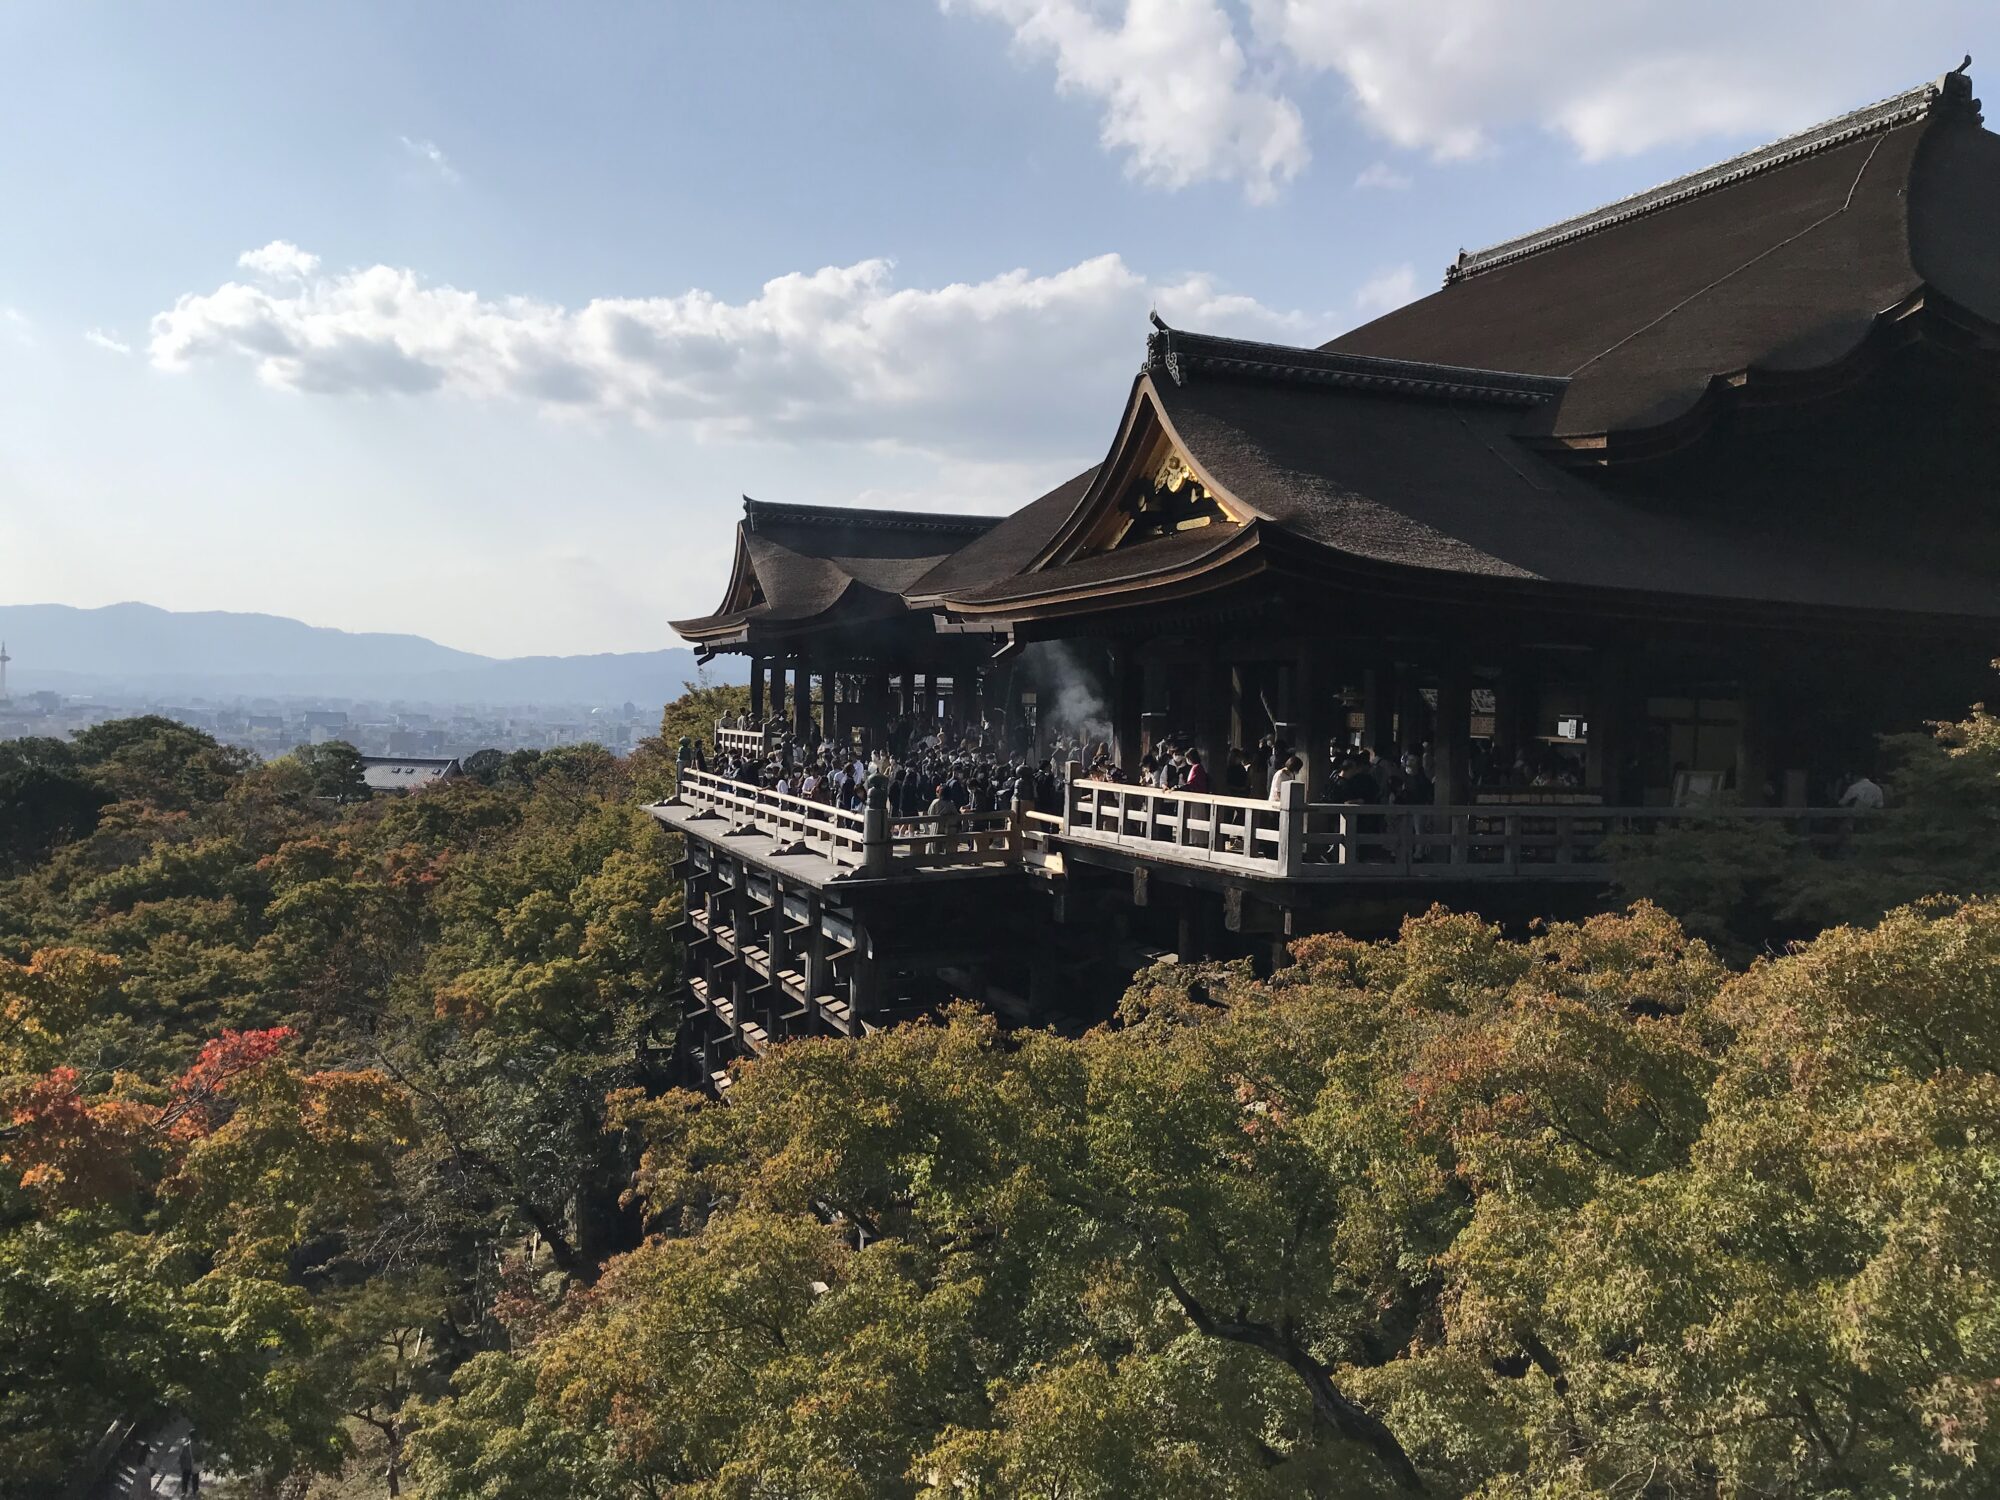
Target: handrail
867,840
1289,839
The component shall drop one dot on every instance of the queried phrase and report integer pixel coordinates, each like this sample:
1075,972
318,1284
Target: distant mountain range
139,651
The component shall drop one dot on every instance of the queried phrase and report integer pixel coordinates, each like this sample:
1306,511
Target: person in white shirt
1862,795
1288,771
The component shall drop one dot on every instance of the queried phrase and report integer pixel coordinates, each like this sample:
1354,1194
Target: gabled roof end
1948,97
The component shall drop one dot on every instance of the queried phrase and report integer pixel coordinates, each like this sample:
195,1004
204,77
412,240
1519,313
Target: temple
1692,495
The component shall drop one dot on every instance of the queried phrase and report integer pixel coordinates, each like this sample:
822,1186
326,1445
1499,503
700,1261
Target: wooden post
1072,774
1291,829
1451,747
1516,710
864,978
802,696
875,846
775,949
1753,741
814,967
1218,709
1309,725
757,689
1409,711
1378,702
1604,750
778,665
1128,700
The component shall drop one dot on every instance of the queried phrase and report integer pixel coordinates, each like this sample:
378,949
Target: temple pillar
1308,724
778,664
1378,705
1604,750
802,696
1451,744
1217,698
1516,710
757,688
878,710
1128,701
1409,712
1754,741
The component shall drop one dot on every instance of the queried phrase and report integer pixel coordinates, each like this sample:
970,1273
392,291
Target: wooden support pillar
1410,734
878,709
1212,734
802,696
1516,710
778,665
1451,745
1128,700
1754,736
927,698
819,982
1309,725
1239,694
757,688
1378,705
739,926
778,947
1604,751
906,692
864,978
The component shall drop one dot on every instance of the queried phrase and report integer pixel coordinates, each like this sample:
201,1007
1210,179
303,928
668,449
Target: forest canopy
343,1130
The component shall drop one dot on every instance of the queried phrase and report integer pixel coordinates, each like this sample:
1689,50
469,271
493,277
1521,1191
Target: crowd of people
930,767
947,766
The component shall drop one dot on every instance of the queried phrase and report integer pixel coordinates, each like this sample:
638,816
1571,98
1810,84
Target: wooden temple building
1702,486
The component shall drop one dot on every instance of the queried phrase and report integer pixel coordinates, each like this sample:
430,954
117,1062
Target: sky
477,320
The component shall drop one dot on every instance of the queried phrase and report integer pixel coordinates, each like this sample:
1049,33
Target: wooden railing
1241,833
822,828
1289,839
743,741
1295,840
871,842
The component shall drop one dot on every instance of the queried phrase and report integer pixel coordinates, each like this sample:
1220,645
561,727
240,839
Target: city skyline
475,323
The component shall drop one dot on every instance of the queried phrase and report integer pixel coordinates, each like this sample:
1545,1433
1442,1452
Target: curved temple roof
1778,262
803,565
1537,425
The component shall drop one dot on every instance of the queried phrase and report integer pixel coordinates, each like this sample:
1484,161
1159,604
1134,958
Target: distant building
408,773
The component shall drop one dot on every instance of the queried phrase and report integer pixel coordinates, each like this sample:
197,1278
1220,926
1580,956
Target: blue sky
475,320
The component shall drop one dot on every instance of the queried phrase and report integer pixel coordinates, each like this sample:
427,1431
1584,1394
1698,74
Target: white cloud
431,155
1190,93
1388,291
1612,78
998,368
16,324
111,344
1179,99
1379,174
280,260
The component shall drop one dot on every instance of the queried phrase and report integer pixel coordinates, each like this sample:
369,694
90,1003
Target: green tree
333,770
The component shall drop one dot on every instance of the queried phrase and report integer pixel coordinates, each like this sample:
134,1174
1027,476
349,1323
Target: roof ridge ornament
1948,97
1160,353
